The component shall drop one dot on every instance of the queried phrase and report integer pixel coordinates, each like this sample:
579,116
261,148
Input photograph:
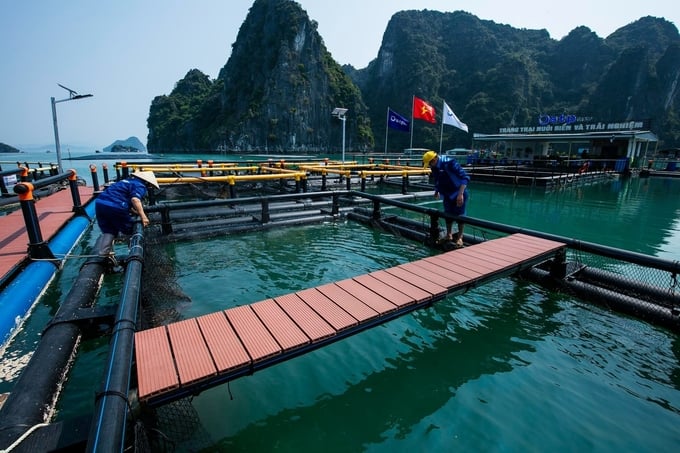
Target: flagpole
413,103
441,134
387,124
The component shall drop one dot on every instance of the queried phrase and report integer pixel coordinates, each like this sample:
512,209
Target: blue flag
396,121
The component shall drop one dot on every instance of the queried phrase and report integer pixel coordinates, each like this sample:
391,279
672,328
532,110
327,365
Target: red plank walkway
189,356
53,212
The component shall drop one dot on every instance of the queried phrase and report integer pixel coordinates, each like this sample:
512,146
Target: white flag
451,119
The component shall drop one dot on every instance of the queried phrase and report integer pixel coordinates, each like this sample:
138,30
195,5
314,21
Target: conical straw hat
147,176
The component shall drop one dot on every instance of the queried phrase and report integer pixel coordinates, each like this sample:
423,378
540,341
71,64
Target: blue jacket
449,175
120,194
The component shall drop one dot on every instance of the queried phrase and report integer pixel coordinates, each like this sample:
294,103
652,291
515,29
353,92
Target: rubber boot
104,244
104,248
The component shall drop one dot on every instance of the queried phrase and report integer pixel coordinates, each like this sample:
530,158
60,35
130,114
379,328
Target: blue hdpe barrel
672,166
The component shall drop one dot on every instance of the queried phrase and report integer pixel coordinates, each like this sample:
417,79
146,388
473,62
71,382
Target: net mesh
163,298
654,289
174,426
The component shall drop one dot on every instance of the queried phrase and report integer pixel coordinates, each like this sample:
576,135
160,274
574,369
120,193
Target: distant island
131,145
132,148
8,149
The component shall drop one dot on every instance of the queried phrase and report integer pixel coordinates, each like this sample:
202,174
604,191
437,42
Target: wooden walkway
53,212
189,356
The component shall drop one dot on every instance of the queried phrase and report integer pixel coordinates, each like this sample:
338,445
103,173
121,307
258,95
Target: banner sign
571,123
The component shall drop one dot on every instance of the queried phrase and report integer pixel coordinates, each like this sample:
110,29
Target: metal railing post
95,178
558,268
37,247
336,204
166,224
105,172
75,193
265,211
376,210
434,228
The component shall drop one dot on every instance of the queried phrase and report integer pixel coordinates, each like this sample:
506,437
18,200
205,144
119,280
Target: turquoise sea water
508,367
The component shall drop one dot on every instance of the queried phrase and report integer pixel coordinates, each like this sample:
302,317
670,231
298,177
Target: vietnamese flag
423,111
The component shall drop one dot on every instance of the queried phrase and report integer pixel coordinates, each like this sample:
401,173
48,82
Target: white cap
147,176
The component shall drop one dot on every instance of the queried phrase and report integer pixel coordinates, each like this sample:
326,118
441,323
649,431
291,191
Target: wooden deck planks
439,261
396,297
439,277
375,303
53,212
508,251
314,326
244,336
226,349
257,340
328,309
425,283
355,306
473,261
155,366
414,292
192,356
285,331
463,261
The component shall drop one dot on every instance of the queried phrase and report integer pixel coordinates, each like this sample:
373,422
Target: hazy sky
126,52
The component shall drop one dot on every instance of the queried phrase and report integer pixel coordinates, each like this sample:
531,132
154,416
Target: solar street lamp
72,96
339,113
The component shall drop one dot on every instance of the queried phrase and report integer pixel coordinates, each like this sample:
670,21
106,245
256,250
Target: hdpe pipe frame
107,432
21,293
32,399
657,314
231,179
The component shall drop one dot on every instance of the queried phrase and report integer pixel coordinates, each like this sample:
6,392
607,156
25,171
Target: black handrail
672,266
107,432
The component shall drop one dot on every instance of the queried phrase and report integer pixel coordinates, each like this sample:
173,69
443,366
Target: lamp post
339,113
72,96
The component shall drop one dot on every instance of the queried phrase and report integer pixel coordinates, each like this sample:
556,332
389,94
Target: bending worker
117,204
450,183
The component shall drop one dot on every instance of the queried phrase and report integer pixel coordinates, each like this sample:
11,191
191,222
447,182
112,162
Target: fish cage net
643,290
656,286
174,426
639,290
162,297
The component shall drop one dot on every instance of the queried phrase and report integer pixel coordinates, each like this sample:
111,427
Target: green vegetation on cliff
278,87
275,93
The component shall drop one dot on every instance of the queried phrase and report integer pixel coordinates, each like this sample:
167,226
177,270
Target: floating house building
568,137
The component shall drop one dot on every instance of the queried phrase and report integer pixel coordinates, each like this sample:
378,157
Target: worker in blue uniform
116,206
450,184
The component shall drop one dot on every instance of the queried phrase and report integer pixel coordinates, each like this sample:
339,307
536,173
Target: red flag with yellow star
423,111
